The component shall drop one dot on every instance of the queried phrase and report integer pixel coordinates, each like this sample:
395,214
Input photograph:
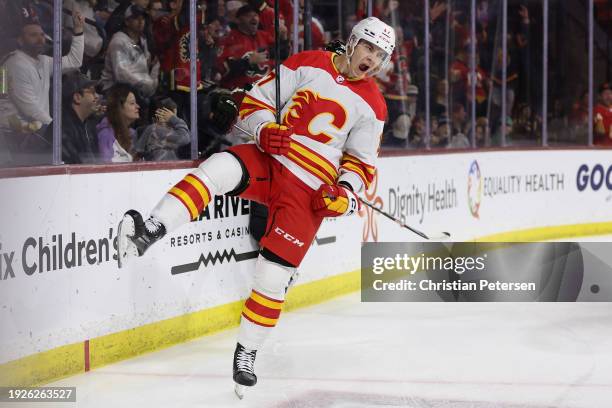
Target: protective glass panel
26,30
568,73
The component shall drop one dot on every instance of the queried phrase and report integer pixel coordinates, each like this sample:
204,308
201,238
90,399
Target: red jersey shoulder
315,58
365,88
368,90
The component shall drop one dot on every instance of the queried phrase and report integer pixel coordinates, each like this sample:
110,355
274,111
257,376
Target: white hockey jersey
337,122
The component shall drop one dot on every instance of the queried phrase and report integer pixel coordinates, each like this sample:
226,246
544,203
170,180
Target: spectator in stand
116,21
160,141
603,116
459,141
172,35
266,16
459,74
416,138
397,136
441,134
526,126
94,35
558,124
439,103
80,105
247,52
210,39
395,83
29,72
496,140
317,32
156,10
128,59
458,120
511,83
116,138
437,15
461,84
230,21
483,132
459,126
580,111
14,14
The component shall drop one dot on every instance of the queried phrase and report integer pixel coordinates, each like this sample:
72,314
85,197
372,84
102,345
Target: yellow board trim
61,362
68,360
550,233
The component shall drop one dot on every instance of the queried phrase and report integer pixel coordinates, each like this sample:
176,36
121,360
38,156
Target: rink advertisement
60,285
486,272
59,281
478,195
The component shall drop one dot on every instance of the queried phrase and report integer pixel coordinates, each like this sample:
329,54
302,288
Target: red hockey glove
274,138
334,201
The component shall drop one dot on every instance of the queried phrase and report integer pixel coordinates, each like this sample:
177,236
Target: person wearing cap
116,20
603,116
80,104
128,59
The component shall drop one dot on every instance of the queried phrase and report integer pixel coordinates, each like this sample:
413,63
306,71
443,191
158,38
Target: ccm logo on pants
288,237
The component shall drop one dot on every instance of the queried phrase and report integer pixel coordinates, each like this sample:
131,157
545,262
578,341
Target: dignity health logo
474,189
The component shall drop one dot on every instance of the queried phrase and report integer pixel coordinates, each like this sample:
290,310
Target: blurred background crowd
126,84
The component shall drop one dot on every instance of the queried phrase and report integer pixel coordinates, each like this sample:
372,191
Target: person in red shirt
266,16
246,54
286,10
171,34
603,116
461,83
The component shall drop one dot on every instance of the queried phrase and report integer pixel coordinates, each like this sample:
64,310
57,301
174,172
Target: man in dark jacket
80,103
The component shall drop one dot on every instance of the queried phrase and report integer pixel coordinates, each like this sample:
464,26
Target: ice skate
135,236
244,373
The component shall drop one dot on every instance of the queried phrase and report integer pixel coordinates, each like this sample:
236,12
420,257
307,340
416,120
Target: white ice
348,354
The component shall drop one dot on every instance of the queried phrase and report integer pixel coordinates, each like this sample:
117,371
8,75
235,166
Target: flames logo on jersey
304,112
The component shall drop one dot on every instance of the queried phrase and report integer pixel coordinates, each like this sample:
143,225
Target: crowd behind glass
126,84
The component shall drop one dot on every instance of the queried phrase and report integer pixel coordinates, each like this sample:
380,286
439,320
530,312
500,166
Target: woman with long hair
115,136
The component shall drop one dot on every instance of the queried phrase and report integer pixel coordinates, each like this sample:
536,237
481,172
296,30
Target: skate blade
239,390
124,230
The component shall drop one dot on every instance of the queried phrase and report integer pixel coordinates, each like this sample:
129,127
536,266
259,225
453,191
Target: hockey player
309,167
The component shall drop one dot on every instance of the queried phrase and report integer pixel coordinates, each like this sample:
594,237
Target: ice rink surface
347,354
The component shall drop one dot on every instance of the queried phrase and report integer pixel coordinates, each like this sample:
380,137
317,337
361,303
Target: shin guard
263,308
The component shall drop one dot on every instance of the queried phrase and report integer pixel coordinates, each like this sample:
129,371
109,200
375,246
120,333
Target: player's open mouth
364,68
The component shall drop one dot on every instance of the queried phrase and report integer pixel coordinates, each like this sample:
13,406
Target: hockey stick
277,59
438,236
